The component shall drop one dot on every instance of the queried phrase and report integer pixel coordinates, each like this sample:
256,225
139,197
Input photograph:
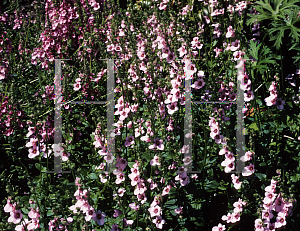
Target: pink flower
218,138
33,143
227,218
238,206
77,86
155,211
120,178
135,180
129,141
267,215
184,179
248,156
33,152
235,45
171,57
248,96
155,161
187,160
228,164
158,144
142,198
172,108
33,214
134,206
230,32
9,207
99,218
15,216
166,190
158,221
270,226
278,204
90,214
117,213
280,221
127,222
271,100
121,163
220,227
235,181
121,191
258,224
269,197
248,170
235,217
198,84
178,210
23,225
182,51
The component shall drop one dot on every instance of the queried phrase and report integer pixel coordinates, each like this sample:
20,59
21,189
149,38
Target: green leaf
259,102
196,204
263,164
130,164
24,199
170,202
25,210
147,156
272,144
211,186
93,176
253,126
50,213
261,176
38,166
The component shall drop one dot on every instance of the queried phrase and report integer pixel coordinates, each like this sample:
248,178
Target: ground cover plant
149,188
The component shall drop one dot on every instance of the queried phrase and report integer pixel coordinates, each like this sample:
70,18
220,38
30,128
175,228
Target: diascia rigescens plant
149,188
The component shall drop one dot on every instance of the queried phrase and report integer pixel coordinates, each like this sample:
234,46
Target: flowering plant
166,50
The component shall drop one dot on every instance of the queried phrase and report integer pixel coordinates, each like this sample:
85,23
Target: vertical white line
240,138
57,118
188,118
110,113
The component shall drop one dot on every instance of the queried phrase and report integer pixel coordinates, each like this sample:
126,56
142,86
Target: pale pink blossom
15,216
166,190
158,221
155,161
155,211
178,210
248,170
220,227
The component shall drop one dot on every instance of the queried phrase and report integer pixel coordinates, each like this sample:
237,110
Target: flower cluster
235,216
272,99
16,216
273,202
82,206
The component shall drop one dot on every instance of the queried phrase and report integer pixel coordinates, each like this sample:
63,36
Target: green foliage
277,15
262,55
